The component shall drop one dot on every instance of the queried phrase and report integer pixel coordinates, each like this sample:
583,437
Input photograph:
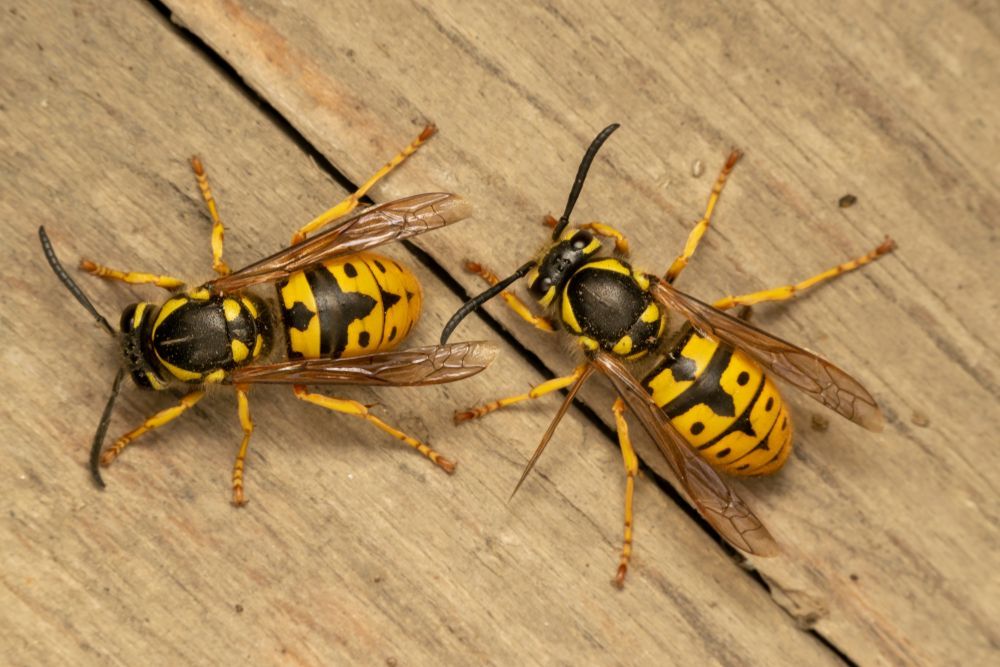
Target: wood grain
366,553
352,549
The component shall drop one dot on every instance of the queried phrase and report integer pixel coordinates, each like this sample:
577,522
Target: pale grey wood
894,105
352,549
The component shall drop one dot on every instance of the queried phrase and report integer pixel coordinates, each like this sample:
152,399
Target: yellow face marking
623,346
231,309
240,350
592,247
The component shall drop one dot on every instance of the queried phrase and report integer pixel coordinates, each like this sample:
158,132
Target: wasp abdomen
348,306
724,405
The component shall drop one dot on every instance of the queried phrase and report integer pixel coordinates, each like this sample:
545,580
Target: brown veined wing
398,368
707,491
814,375
370,227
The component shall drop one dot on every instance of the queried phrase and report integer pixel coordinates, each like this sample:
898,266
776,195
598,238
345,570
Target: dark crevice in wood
446,278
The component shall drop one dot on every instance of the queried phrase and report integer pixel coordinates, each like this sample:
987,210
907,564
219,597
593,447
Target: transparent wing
707,491
368,228
400,368
814,375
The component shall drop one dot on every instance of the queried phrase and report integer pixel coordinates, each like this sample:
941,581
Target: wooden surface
355,550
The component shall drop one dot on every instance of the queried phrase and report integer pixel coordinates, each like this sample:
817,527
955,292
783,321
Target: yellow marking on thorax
567,313
178,372
231,309
169,307
623,346
607,264
240,350
249,305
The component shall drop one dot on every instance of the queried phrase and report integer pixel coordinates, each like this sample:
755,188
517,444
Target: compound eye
582,239
544,284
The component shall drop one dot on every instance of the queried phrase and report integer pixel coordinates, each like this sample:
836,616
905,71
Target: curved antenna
581,175
102,430
64,278
552,427
482,298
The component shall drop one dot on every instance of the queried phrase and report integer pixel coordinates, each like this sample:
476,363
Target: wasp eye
545,283
582,239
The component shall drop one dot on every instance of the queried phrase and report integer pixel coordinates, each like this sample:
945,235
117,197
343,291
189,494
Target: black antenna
581,175
68,282
480,299
102,430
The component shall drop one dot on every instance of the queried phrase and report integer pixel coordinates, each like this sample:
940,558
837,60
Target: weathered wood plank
352,549
892,105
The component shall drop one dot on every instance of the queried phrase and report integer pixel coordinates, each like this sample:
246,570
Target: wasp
708,401
337,316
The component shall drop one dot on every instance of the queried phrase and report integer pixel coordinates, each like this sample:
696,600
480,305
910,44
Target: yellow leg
512,300
788,291
538,391
131,277
350,407
351,202
699,229
244,409
218,231
156,421
631,470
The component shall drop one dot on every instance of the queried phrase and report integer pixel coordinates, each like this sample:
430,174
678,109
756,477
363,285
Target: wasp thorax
559,263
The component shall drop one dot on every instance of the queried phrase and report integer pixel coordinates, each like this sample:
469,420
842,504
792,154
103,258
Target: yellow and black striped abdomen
724,405
349,306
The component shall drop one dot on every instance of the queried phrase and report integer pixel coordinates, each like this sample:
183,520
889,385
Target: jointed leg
699,229
631,469
218,265
512,300
247,424
600,229
351,202
538,391
358,410
788,291
157,420
131,277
